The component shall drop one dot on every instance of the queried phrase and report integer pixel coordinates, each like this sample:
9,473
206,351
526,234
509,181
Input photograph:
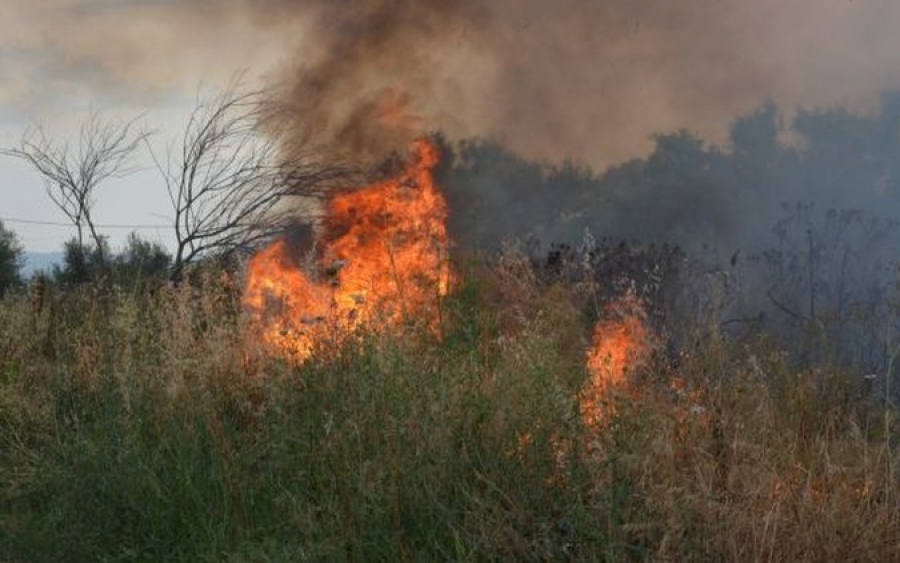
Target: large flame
382,258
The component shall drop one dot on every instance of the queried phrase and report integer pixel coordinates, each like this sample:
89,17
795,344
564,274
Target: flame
382,259
620,343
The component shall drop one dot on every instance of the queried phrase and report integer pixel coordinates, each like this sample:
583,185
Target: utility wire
61,224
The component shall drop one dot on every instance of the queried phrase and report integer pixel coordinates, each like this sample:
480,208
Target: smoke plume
591,81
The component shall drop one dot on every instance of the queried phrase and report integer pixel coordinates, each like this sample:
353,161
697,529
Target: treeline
139,261
687,191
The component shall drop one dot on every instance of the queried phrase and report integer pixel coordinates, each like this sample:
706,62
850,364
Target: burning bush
381,258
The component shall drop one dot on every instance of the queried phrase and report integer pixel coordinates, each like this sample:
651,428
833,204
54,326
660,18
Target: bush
11,255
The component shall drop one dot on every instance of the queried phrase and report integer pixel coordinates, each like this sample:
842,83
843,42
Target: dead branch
228,185
72,172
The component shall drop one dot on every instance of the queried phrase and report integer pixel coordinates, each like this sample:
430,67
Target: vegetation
142,420
687,191
10,260
72,172
139,263
229,184
151,426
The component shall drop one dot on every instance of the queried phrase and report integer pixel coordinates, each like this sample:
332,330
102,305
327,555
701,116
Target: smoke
576,79
56,54
591,81
377,74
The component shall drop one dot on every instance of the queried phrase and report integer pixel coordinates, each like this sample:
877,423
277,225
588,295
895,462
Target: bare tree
71,173
230,185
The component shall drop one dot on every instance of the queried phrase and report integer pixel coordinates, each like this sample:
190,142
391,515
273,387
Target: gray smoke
568,79
591,81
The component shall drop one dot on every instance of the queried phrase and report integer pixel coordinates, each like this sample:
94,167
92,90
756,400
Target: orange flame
383,258
620,343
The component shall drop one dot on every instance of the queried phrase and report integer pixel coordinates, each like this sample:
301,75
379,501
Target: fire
620,343
382,258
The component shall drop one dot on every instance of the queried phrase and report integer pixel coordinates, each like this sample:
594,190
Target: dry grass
139,427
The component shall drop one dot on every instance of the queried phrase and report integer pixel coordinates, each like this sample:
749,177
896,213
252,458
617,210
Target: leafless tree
230,183
72,172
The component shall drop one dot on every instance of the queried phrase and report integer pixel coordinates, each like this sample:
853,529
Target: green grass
140,428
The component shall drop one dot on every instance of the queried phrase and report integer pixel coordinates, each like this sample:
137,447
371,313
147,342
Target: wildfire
382,257
620,343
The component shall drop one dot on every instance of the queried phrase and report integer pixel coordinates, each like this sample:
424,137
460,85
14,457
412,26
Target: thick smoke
378,73
591,81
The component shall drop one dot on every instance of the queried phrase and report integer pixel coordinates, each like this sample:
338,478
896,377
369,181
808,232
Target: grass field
148,426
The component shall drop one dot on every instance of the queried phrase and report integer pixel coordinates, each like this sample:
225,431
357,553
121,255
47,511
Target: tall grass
147,427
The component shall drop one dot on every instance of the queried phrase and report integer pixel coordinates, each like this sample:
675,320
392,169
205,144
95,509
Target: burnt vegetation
139,422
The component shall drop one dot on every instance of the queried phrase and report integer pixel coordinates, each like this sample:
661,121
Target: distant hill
35,261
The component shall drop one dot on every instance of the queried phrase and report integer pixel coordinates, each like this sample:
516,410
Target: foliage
141,261
138,263
830,278
686,191
151,424
791,225
11,254
82,263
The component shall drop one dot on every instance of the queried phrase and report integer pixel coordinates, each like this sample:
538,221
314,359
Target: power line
60,224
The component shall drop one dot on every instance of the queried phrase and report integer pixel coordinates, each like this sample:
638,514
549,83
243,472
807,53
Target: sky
25,207
588,80
62,59
134,203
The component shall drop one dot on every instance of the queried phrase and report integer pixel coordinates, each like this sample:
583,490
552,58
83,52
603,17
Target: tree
11,254
756,134
71,174
81,263
228,185
141,261
138,263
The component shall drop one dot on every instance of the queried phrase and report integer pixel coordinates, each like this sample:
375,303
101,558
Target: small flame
383,259
620,343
